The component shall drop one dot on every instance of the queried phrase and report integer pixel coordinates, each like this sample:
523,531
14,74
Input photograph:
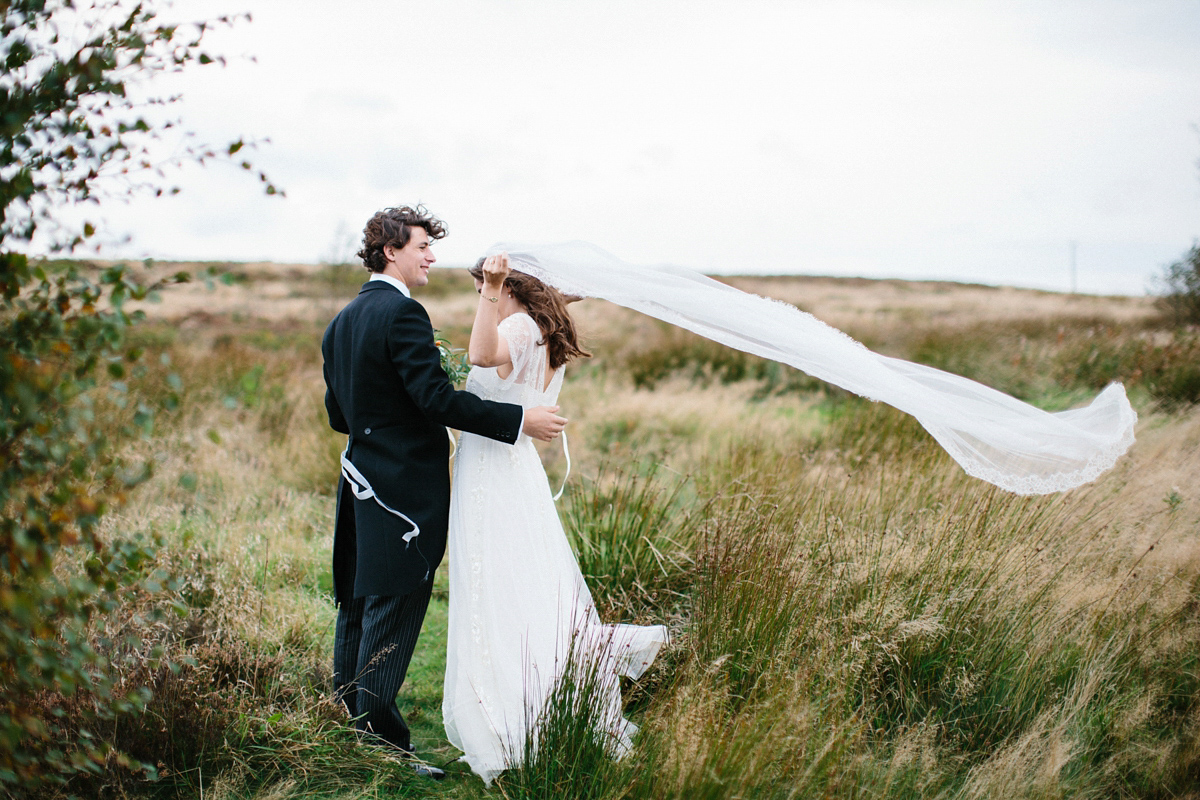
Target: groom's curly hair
394,226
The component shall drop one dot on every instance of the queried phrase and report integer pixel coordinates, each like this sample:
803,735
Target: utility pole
1074,248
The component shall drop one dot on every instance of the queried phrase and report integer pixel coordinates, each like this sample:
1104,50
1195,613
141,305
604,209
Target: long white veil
993,436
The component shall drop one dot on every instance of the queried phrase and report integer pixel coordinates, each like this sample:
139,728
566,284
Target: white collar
399,284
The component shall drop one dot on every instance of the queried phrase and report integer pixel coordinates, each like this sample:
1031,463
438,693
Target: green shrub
1168,365
59,477
1174,377
632,538
679,352
70,71
1180,286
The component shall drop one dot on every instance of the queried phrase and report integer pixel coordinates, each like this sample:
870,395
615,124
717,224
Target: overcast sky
971,141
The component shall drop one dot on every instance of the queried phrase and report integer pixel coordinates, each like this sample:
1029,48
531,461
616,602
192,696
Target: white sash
363,491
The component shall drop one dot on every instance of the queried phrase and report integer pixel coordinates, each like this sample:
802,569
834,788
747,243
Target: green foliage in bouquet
454,360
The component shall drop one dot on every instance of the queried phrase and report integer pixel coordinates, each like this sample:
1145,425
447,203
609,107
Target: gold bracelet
492,299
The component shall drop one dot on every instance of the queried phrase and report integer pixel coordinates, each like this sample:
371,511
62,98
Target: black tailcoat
386,388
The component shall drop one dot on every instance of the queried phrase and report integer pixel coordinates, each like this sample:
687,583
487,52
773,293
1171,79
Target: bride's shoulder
519,316
518,320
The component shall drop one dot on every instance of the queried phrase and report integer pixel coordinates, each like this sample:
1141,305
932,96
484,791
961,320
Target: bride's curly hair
548,308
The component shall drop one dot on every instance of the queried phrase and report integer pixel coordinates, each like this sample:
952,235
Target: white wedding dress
517,597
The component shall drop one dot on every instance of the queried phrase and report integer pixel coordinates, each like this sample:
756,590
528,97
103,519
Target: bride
519,606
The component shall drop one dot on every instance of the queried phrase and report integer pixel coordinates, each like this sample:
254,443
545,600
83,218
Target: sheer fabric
993,436
517,597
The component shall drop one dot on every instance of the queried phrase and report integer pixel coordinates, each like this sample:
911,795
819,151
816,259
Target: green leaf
63,125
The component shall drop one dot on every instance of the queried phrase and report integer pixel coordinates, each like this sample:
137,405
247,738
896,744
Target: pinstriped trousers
372,647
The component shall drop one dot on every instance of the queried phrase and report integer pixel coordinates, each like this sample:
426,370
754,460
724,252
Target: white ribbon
567,453
363,491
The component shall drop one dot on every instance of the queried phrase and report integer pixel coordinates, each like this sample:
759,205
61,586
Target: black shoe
420,767
426,771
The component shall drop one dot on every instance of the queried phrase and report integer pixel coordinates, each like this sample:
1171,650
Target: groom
386,389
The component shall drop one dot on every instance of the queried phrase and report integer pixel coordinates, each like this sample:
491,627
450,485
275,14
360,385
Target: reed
631,532
852,616
571,737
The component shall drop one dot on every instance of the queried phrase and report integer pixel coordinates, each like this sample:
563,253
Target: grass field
852,615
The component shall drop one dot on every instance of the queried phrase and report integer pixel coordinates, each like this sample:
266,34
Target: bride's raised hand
495,271
487,348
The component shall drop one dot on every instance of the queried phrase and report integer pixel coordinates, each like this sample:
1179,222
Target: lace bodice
530,358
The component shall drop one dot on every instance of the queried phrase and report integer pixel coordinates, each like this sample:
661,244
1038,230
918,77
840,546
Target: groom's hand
544,423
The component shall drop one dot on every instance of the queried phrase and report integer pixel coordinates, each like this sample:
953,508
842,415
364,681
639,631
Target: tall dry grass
852,615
